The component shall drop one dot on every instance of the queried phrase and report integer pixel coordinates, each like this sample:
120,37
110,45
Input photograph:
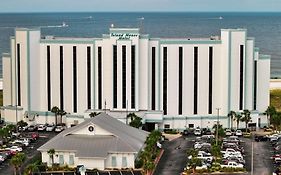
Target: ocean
265,27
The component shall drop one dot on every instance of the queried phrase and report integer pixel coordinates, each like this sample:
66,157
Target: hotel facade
170,82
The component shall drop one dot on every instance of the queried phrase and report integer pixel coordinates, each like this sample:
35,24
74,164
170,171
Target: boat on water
220,17
64,24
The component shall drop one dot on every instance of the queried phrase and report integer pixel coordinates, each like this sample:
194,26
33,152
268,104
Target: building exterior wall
91,163
229,88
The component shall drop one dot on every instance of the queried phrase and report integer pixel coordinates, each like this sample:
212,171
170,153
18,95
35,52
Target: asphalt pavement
30,151
174,158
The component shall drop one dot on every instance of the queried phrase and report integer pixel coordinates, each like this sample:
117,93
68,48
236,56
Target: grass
275,99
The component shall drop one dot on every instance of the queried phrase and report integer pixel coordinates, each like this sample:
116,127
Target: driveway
174,158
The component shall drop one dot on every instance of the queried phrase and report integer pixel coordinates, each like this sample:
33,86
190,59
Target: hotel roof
122,138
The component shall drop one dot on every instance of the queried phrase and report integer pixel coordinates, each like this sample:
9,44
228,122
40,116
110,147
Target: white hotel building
169,82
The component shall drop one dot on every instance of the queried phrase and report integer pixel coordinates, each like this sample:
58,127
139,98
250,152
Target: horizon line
26,12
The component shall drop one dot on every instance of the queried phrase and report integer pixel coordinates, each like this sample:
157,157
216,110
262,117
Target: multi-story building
169,82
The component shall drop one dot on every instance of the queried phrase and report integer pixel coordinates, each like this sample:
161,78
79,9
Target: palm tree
194,161
270,111
61,112
93,114
30,169
51,153
55,110
238,119
246,117
232,115
275,120
17,161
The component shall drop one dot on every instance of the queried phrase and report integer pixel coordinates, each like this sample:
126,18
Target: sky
140,5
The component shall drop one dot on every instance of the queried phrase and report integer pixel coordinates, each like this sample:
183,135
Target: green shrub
171,131
138,163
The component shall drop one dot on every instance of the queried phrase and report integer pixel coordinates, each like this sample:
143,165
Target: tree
193,160
11,127
51,153
135,120
21,124
93,114
216,151
232,115
238,119
275,120
31,168
246,117
4,133
61,112
17,161
55,110
269,112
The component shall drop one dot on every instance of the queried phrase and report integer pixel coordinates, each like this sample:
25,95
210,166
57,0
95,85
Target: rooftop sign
124,35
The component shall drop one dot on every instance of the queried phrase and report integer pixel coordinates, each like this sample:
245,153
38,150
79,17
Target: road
262,152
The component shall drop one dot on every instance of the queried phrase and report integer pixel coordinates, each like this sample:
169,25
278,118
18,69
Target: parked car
50,128
202,166
60,128
24,141
228,132
32,128
15,148
238,132
260,138
232,164
15,134
23,128
32,136
185,132
42,127
197,132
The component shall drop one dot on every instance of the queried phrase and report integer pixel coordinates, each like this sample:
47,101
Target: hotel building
169,82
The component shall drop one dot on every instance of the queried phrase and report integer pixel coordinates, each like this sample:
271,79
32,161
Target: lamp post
217,133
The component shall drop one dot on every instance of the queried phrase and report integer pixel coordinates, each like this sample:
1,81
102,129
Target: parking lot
30,151
174,158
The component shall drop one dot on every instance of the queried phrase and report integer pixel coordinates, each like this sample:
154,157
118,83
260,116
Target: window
255,85
71,160
61,159
180,81
89,76
165,80
210,80
99,77
133,68
195,80
74,80
190,125
113,161
124,100
124,162
114,76
61,78
153,79
241,77
49,77
166,126
18,74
